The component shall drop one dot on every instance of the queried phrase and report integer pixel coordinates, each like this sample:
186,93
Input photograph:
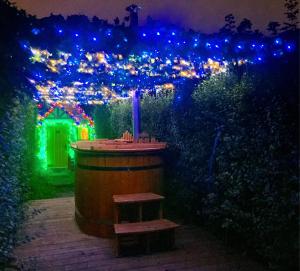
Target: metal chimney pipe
136,115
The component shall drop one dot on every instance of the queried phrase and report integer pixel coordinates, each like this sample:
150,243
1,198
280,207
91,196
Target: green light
59,133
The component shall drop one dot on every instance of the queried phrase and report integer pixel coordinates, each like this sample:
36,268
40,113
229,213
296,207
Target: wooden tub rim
117,152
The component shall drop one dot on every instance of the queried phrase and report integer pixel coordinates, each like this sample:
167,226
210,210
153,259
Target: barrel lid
117,146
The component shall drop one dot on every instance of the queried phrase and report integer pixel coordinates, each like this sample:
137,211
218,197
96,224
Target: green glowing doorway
57,146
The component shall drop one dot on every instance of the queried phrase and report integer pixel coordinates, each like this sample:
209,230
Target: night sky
204,15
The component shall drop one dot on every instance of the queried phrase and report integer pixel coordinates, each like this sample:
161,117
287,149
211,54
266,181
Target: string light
83,74
75,132
136,71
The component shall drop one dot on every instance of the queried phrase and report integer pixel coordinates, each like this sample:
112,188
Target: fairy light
84,74
135,71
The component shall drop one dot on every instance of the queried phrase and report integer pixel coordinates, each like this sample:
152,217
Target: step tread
136,198
145,226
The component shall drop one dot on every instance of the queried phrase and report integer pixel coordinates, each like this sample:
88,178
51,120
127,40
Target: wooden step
136,198
144,227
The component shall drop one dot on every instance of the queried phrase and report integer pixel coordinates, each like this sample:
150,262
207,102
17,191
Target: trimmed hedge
17,129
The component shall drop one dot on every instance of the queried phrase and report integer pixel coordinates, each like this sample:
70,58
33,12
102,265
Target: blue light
290,47
35,31
194,47
24,44
278,41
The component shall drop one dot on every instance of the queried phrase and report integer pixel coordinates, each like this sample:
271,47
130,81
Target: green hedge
17,129
113,120
254,190
232,159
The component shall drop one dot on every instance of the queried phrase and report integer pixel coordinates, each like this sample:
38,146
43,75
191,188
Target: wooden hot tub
105,168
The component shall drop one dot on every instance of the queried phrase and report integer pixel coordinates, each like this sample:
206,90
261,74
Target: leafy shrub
254,195
103,127
17,129
155,112
120,118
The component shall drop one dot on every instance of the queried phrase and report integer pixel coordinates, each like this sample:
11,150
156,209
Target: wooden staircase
133,231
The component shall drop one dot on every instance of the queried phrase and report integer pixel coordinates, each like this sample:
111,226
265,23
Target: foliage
291,13
245,26
273,28
12,59
47,186
229,27
16,128
155,110
102,124
254,195
120,117
155,114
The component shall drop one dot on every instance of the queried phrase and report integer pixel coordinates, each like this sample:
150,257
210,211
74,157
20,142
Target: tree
229,26
257,34
77,21
245,26
99,22
13,21
291,13
117,21
133,15
273,28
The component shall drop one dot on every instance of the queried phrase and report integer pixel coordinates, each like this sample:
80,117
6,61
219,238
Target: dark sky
204,15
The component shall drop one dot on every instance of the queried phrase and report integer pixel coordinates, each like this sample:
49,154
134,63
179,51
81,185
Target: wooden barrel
103,171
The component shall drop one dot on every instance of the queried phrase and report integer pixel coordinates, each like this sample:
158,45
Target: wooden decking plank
155,264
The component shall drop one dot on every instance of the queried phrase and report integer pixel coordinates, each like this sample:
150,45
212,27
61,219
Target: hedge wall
17,123
232,159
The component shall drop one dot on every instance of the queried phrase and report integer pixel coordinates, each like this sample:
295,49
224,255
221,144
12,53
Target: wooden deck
59,245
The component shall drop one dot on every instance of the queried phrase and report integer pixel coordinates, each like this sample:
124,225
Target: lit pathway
59,245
